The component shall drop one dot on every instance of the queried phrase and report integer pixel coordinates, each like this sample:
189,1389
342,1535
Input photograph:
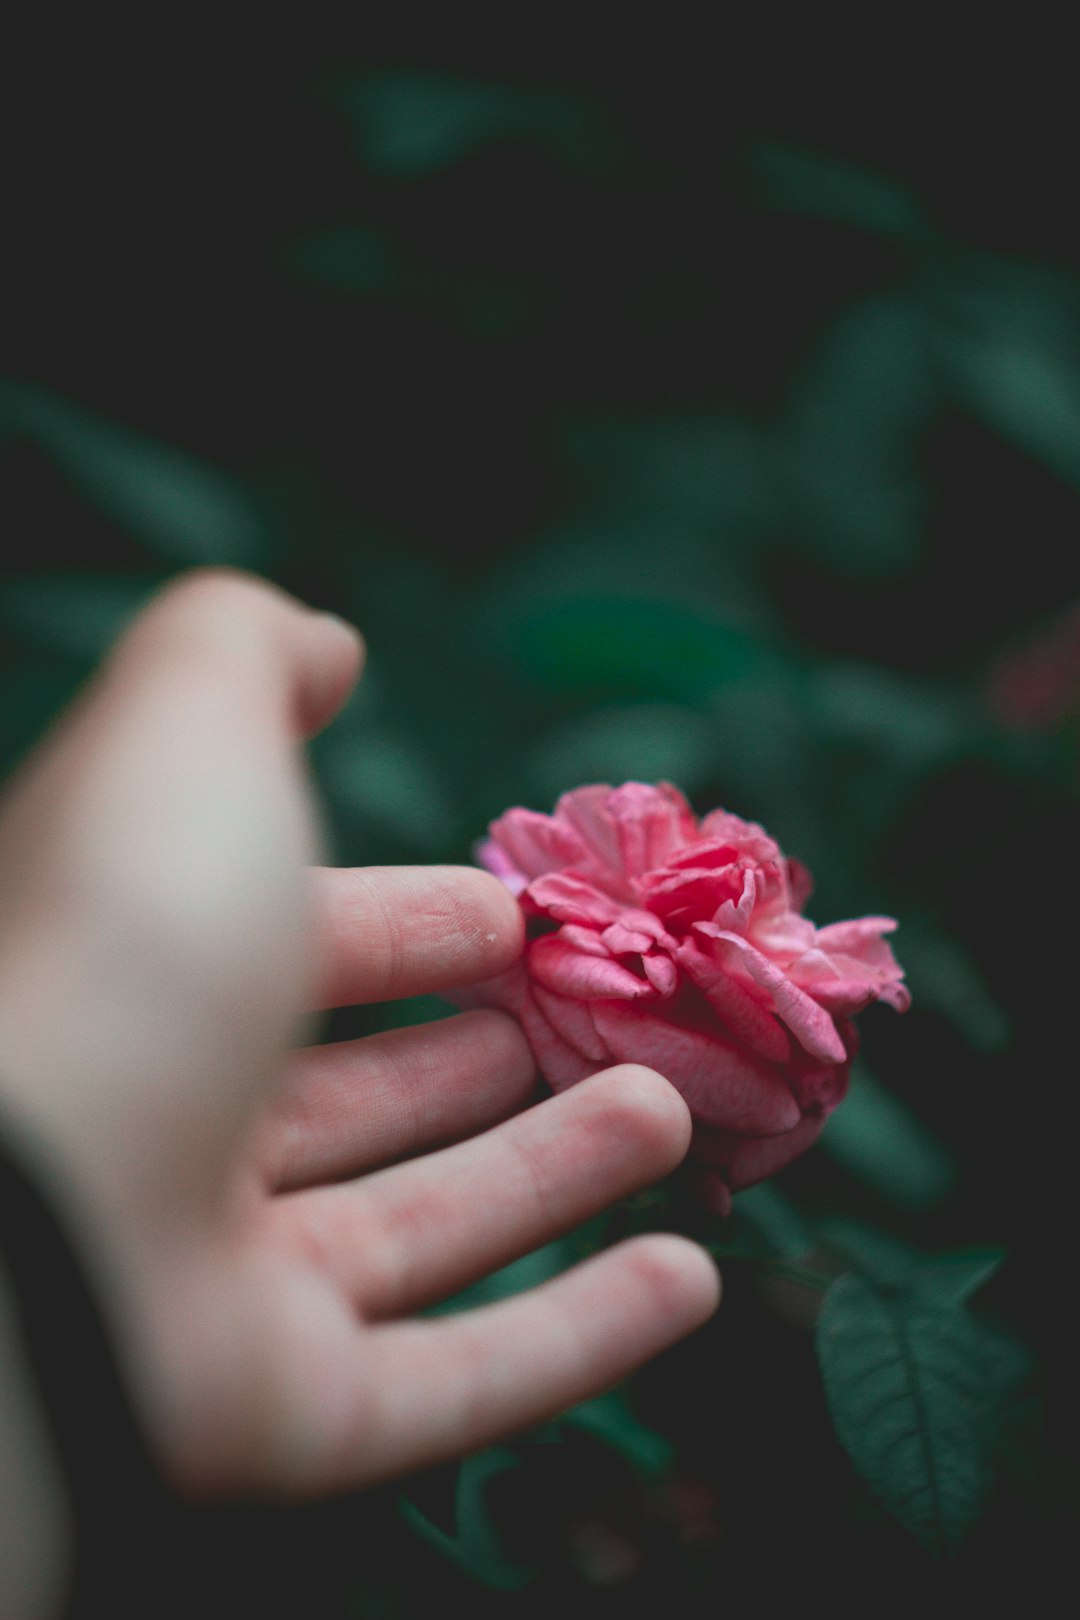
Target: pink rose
658,939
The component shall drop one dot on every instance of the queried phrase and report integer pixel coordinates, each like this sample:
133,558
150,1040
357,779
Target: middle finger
407,1236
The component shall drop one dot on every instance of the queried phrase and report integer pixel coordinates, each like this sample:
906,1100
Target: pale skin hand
163,935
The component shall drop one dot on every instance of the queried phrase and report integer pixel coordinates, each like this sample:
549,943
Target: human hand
260,1248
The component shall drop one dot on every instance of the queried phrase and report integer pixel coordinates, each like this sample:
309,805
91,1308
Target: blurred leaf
528,1272
850,445
777,1219
610,1419
917,724
647,742
950,1278
878,1139
1012,354
913,1388
883,1258
408,124
707,471
475,1545
76,615
345,258
947,1278
626,646
942,975
795,180
385,777
181,508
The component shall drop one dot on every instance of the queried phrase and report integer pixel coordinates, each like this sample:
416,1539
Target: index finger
383,932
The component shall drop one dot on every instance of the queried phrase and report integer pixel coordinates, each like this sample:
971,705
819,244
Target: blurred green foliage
642,440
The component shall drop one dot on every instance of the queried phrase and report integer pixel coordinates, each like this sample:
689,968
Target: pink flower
658,939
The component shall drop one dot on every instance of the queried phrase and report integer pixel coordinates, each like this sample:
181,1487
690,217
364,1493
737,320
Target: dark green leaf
950,1278
611,1420
77,615
912,1387
776,1219
1012,354
475,1545
647,742
408,124
851,445
800,181
182,509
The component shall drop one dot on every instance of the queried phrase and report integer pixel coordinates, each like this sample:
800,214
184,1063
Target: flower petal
623,941
561,1064
737,1008
535,843
573,1021
661,972
722,1085
568,897
744,1160
650,822
849,936
811,1025
569,972
584,813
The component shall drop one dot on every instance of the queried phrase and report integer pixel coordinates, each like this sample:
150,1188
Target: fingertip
660,1107
334,664
491,922
680,1275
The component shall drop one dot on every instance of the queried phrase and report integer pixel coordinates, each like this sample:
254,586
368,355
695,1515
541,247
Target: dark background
659,406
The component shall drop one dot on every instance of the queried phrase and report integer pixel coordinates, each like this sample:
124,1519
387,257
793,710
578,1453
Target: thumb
275,654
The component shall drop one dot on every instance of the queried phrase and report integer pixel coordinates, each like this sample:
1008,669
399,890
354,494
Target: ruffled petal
650,822
534,843
811,1025
747,837
623,941
735,1005
661,973
573,1021
583,939
561,1064
585,814
856,932
745,1160
721,1085
568,897
569,972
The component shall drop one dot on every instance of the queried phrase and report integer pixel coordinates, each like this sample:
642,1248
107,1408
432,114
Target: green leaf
410,124
383,776
1012,354
350,259
948,1278
77,615
610,1419
941,974
182,509
708,472
850,447
475,1545
627,646
776,1218
864,705
878,1139
800,181
647,742
951,1277
912,1388
529,1272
